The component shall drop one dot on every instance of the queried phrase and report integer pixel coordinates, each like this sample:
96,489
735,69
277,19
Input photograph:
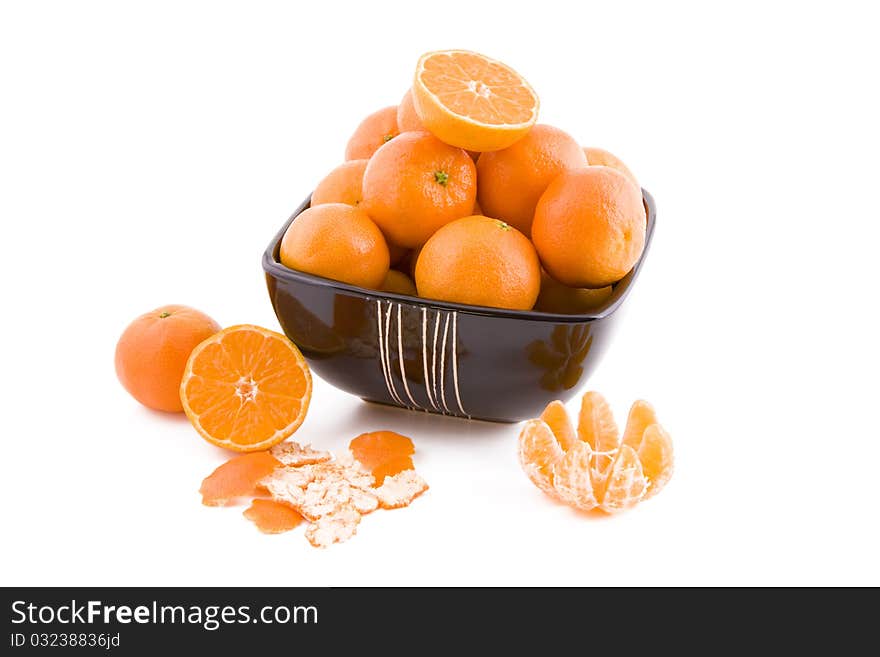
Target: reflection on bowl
439,357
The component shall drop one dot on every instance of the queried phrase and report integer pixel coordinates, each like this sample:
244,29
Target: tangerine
151,354
513,179
378,128
415,184
589,227
339,242
479,261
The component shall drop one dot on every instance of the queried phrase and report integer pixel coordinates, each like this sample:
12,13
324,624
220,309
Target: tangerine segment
237,477
597,427
572,479
272,517
383,453
539,451
246,388
625,484
641,416
557,419
471,101
656,456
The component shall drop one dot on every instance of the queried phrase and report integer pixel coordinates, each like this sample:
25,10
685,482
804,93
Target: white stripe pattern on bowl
434,377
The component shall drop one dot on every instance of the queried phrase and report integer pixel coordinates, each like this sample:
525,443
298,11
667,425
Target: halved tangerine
471,101
246,388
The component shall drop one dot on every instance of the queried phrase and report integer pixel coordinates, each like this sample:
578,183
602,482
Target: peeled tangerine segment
560,424
596,426
572,480
272,517
626,484
539,451
656,456
641,416
238,477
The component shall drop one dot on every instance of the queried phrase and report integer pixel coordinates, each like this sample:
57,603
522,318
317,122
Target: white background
149,151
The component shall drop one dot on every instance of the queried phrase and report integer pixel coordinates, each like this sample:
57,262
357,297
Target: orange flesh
557,419
485,91
247,389
272,517
237,477
641,416
597,470
597,427
656,456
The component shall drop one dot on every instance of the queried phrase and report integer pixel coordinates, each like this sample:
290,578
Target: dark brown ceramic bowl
439,357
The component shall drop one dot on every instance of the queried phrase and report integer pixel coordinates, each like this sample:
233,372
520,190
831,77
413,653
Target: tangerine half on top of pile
410,172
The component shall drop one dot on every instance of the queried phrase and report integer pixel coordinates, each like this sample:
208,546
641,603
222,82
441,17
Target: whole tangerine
398,283
339,242
558,298
513,179
589,227
415,184
407,119
480,261
152,352
601,158
378,128
342,185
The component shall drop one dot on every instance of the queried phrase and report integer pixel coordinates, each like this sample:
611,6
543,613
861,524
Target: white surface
149,152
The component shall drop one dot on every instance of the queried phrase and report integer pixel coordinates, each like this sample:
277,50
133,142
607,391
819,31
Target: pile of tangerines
458,195
458,189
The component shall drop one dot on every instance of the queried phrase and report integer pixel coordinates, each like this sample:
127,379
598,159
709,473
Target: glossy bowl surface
439,357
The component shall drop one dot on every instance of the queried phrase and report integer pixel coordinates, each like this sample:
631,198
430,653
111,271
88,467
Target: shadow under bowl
454,359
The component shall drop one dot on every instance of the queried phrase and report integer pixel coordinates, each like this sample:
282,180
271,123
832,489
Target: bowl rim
273,267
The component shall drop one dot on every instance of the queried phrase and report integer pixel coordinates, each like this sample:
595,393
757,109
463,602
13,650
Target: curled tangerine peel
272,517
237,477
383,453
